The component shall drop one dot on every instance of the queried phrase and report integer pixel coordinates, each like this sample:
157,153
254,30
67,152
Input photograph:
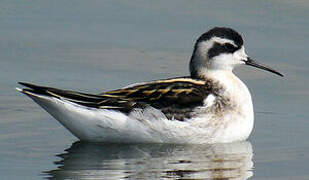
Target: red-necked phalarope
210,106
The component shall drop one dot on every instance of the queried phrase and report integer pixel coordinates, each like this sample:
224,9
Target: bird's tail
89,100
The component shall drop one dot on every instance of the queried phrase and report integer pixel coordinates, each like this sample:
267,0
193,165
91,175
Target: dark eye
229,47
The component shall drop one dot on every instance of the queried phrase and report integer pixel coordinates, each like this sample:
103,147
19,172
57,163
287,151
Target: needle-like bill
253,63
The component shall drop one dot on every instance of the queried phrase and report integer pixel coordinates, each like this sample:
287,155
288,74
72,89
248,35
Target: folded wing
176,98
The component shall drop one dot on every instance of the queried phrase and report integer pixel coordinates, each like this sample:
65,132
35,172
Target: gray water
94,46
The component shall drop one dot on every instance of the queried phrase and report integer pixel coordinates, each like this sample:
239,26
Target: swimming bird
212,105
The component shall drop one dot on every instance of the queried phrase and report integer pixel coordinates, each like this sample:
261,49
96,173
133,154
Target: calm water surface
94,46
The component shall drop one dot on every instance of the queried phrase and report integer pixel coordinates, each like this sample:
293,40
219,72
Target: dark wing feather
174,97
89,100
164,92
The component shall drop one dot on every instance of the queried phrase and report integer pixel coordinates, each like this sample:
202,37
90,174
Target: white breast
235,124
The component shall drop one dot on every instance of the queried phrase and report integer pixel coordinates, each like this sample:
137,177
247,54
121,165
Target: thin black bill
253,63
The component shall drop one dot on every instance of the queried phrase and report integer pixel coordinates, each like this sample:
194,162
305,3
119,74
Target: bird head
221,48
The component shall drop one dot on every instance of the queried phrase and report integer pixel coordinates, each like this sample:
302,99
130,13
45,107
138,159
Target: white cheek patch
223,61
240,54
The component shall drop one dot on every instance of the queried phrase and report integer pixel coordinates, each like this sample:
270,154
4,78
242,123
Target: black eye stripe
218,49
229,46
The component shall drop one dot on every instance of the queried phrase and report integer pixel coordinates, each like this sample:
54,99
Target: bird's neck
216,74
232,86
234,90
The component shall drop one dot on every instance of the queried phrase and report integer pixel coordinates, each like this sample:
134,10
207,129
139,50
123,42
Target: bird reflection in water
154,161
